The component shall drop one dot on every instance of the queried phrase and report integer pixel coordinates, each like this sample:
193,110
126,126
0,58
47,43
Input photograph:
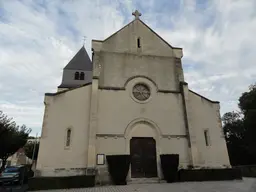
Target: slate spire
81,61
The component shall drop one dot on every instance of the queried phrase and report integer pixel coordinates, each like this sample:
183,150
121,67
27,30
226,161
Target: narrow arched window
76,75
82,76
138,43
68,139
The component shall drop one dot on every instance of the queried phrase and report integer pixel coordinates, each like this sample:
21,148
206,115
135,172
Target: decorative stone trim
109,135
123,89
59,169
82,169
168,91
122,135
139,76
174,136
112,88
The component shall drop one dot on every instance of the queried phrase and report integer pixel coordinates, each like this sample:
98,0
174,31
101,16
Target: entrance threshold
144,180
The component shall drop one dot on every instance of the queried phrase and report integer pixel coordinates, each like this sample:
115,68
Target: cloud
38,38
219,45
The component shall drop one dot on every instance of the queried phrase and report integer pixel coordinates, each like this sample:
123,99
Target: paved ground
247,185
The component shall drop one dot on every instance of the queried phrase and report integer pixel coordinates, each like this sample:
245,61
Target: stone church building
130,99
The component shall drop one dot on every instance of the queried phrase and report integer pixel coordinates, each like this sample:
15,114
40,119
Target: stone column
188,123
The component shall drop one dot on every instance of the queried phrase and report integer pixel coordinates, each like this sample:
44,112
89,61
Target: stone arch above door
142,127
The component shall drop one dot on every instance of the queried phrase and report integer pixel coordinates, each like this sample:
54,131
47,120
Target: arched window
82,76
77,76
68,139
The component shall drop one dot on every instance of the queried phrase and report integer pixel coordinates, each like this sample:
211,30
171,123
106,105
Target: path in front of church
247,185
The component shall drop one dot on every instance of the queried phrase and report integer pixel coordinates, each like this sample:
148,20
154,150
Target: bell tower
77,72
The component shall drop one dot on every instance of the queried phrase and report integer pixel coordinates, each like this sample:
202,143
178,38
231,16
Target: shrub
169,164
248,170
45,183
209,174
118,166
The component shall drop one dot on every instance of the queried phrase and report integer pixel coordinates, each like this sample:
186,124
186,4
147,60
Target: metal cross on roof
137,14
84,39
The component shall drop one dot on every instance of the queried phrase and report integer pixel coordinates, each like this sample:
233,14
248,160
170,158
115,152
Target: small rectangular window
138,42
68,138
206,137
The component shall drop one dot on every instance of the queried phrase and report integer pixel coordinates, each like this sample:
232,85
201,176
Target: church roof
203,97
67,90
81,61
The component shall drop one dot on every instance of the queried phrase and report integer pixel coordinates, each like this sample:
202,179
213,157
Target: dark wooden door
143,157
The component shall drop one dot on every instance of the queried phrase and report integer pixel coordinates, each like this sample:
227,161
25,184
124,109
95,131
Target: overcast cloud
38,38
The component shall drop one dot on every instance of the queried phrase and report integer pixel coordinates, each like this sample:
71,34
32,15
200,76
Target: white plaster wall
118,108
62,111
176,146
121,116
111,145
205,115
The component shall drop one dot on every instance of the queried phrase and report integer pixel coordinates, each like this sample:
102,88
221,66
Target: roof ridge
147,27
67,90
203,97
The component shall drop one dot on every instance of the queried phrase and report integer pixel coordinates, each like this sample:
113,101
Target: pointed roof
138,19
81,61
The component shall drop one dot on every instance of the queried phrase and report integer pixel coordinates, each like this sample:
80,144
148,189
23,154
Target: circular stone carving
141,92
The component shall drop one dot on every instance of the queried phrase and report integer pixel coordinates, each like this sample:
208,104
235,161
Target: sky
38,38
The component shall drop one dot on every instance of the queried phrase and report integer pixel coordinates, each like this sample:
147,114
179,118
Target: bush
209,174
44,183
248,170
169,164
30,172
118,166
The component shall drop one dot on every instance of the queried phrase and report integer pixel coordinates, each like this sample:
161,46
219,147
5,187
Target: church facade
130,99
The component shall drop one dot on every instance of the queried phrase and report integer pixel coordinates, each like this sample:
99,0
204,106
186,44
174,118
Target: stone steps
145,180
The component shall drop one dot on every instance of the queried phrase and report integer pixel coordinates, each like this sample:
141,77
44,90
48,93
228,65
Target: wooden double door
143,157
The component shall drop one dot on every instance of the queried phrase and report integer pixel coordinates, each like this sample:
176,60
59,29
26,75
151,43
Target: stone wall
118,68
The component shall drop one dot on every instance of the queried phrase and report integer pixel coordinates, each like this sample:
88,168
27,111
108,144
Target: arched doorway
143,157
144,135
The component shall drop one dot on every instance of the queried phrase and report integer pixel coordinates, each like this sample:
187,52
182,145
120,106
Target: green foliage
31,148
247,102
12,137
240,130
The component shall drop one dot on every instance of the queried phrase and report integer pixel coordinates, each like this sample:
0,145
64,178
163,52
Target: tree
247,104
31,148
234,131
12,138
240,130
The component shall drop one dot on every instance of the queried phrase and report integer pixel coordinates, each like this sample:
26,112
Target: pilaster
93,124
191,134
